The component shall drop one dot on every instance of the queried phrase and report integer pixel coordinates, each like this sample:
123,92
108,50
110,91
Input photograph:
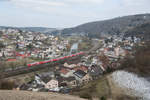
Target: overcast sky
66,13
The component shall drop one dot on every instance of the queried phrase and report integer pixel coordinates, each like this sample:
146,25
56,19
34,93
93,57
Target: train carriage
52,60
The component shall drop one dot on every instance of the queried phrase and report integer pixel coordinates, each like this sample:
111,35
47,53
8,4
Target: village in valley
18,48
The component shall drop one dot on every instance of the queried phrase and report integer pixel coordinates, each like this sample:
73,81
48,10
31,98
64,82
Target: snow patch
138,85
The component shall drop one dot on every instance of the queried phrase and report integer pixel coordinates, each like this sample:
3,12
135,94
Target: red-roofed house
11,59
83,68
22,55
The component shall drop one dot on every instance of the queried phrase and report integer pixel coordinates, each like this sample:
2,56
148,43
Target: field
95,89
25,95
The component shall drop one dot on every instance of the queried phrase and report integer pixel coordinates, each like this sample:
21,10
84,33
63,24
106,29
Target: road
96,46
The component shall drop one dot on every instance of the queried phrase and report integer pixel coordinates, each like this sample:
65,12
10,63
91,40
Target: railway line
25,69
50,63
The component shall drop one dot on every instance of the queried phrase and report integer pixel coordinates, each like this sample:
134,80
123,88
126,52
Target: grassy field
95,89
25,95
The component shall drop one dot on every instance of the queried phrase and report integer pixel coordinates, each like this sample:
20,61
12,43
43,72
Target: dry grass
95,89
25,95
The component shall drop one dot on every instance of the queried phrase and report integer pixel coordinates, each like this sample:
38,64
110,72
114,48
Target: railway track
25,69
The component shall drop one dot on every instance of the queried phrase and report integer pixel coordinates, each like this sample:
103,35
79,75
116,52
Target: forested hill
142,31
112,26
32,29
38,29
119,25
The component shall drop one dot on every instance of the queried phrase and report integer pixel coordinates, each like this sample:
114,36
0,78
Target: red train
52,60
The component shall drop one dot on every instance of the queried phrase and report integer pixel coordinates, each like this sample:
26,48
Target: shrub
140,64
7,85
86,96
103,98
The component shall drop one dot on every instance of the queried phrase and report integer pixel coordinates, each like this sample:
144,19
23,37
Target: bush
86,96
125,97
103,98
7,85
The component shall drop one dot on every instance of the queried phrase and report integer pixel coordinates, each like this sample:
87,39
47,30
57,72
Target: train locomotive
53,60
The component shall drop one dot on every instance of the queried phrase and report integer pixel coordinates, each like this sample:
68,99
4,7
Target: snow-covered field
137,86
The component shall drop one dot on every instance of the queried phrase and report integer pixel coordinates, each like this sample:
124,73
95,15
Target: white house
52,84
